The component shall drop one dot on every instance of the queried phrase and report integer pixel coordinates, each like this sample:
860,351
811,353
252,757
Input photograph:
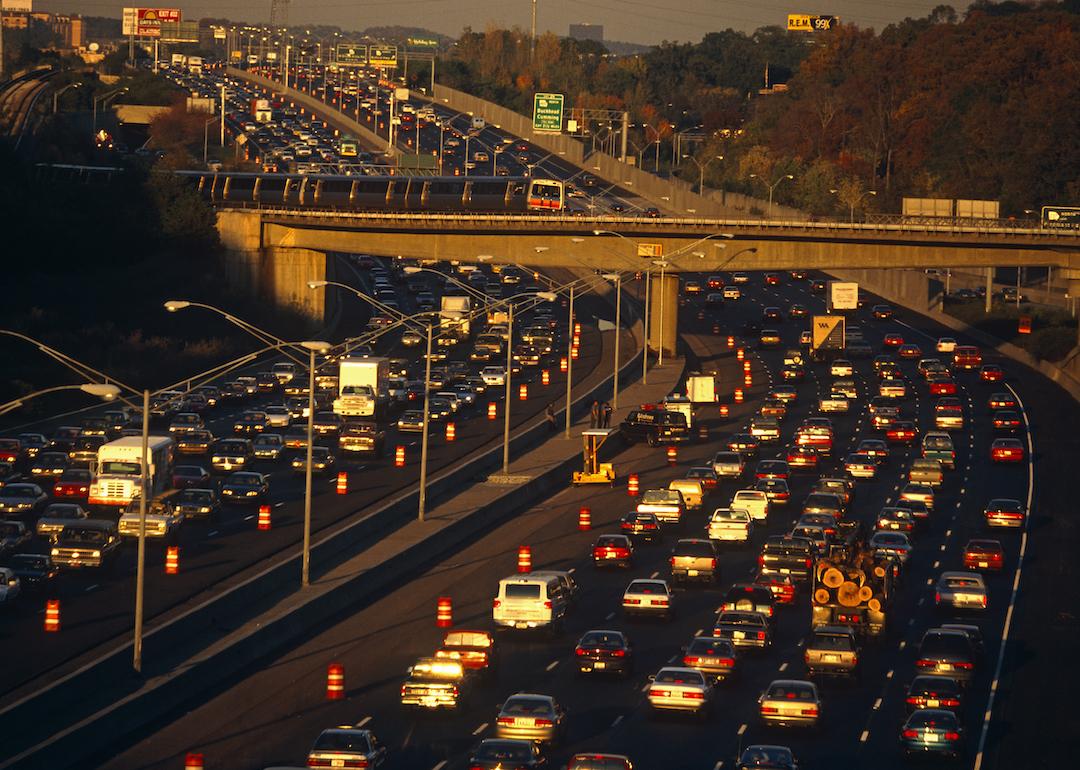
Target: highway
18,99
97,607
272,716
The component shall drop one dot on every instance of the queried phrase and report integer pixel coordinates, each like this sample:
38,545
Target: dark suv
656,427
786,555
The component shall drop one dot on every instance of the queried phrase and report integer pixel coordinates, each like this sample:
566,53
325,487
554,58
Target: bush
1051,344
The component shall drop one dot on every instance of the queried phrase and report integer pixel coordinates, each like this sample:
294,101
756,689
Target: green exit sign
548,112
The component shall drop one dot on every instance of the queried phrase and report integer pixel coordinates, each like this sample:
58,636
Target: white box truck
195,65
454,320
118,470
179,61
363,387
701,388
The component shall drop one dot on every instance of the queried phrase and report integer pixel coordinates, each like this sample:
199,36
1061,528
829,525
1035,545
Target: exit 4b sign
547,112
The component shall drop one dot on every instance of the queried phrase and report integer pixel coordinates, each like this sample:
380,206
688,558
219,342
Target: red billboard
146,22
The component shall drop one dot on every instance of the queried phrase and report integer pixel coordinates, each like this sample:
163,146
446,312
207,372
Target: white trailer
118,469
454,323
363,387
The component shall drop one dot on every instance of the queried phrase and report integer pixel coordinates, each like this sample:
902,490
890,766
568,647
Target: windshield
9,529
356,390
669,497
121,468
82,536
18,491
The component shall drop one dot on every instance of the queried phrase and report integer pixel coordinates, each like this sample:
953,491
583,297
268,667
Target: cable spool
874,605
865,594
848,594
879,572
822,596
833,577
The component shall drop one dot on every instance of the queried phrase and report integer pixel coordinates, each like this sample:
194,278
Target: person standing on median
605,415
594,415
549,415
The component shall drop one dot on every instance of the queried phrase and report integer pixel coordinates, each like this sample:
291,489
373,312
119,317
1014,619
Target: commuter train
381,193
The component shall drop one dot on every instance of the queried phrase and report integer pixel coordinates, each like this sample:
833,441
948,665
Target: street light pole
509,390
424,438
569,360
140,568
305,568
618,332
660,353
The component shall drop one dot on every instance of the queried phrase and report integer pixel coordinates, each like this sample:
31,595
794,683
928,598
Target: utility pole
532,45
222,115
625,135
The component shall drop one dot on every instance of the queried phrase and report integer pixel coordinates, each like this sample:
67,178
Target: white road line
278,505
211,533
654,575
889,674
948,533
91,588
877,704
988,715
249,517
440,766
363,721
480,729
903,643
929,581
610,615
699,632
742,728
942,548
718,765
864,736
616,722
936,564
645,687
783,666
572,570
552,665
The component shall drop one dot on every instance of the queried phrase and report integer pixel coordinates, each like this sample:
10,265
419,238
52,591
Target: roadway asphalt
97,608
272,716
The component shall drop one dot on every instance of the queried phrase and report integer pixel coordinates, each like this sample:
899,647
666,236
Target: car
22,499
530,717
775,489
35,571
1004,512
941,385
749,597
740,277
934,692
945,345
785,555
185,476
882,312
936,732
861,466
1001,400
411,421
728,465
790,703
793,372
323,461
769,338
893,518
245,487
715,282
832,651
892,341
694,559
1007,450
56,516
1006,420
817,286
195,503
493,376
648,597
961,591
983,554
764,757
346,747
613,550
743,443
771,314
875,448
498,753
705,475
73,484
194,442
991,373
604,651
477,651
277,416
327,423
841,368
680,689
798,311
233,454
15,534
641,524
909,351
268,446
890,544
185,421
731,293
667,504
51,465
947,652
714,657
804,458
744,628
902,432
692,287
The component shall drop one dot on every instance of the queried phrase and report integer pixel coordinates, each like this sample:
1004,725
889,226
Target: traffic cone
563,364
444,612
342,483
399,457
52,615
451,431
545,377
264,518
172,560
738,395
724,411
193,761
584,518
748,379
632,485
335,681
730,341
672,455
493,410
524,561
523,392
746,366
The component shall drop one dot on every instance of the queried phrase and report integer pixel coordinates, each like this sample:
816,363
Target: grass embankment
1053,331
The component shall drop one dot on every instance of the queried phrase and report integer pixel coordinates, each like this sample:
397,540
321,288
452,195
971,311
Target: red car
476,650
613,550
894,340
73,484
943,386
772,279
715,282
901,432
984,555
10,449
1007,450
991,373
782,587
805,457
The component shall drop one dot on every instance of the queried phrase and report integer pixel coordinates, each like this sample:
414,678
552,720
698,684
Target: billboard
351,55
843,295
146,22
18,6
1060,216
805,22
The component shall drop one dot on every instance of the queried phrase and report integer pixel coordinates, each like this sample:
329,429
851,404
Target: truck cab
118,469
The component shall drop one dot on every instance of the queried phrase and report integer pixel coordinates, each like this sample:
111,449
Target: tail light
761,636
808,562
925,663
693,695
656,692
496,604
911,733
964,666
618,653
580,651
454,690
914,700
541,722
761,560
810,712
982,601
672,561
547,605
504,721
806,658
937,597
660,602
770,710
729,662
690,660
951,736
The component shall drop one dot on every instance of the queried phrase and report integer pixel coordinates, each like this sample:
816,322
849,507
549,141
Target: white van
530,601
752,501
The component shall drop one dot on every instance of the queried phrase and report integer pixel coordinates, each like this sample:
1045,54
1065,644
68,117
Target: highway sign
548,112
422,42
1060,216
650,250
351,55
843,295
382,56
828,332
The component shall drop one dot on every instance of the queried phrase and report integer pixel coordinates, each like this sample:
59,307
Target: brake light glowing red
761,636
505,720
770,710
925,663
950,736
658,693
693,695
547,605
911,733
496,604
690,660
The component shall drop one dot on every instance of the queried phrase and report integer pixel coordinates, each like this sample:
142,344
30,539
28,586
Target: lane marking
552,665
889,674
91,588
610,615
440,766
865,735
929,581
249,517
616,722
363,721
654,575
783,666
480,729
937,564
742,728
718,765
877,704
903,644
211,533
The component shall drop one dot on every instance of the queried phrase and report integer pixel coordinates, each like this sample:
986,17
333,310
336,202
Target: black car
195,503
933,692
603,651
656,426
34,570
761,757
500,753
786,555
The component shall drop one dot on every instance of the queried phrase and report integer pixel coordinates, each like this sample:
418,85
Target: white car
729,464
946,345
493,375
753,501
726,525
961,591
680,689
277,416
647,597
841,368
731,292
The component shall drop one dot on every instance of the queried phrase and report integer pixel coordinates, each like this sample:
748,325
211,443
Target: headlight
95,554
204,509
55,552
252,492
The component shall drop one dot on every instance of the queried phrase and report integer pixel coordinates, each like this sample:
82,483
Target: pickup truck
694,559
832,651
475,650
835,403
783,555
362,438
729,465
728,526
666,504
753,501
926,471
938,445
163,520
435,683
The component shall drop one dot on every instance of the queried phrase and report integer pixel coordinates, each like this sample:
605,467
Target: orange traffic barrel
524,563
563,365
701,315
52,615
632,485
444,612
574,352
451,431
746,365
716,328
672,455
703,432
193,761
748,379
545,377
523,392
724,411
264,517
335,681
730,341
493,410
576,341
172,560
738,395
577,328
740,354
342,483
584,518
399,456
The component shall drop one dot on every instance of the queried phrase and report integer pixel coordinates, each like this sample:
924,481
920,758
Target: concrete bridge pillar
663,313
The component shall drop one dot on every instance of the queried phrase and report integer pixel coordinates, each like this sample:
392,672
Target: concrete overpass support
663,314
276,272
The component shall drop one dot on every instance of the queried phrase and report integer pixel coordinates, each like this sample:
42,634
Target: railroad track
17,101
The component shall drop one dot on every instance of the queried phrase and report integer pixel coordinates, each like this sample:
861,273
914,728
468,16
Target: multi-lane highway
97,606
272,717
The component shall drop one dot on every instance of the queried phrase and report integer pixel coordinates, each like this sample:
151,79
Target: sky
637,21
